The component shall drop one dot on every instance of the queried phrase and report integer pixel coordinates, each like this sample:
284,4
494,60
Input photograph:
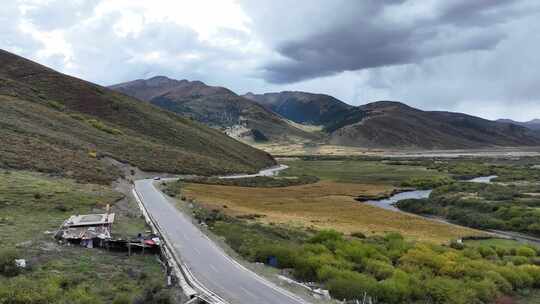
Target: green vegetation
33,204
425,183
345,170
103,127
51,121
494,242
484,206
386,268
258,181
55,105
507,170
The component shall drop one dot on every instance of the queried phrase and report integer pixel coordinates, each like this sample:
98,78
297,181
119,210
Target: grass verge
33,204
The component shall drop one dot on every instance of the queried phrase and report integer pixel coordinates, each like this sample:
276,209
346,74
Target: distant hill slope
56,123
388,124
531,124
214,106
303,107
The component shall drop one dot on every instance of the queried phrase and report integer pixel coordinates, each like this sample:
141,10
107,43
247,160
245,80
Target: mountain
214,106
303,107
531,124
59,124
387,124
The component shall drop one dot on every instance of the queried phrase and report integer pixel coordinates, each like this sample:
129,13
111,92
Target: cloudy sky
475,56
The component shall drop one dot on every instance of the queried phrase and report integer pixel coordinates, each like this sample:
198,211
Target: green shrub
397,289
428,182
122,299
286,256
446,290
378,269
358,235
56,105
329,238
526,251
486,251
307,266
351,285
502,284
485,290
101,126
534,272
516,277
516,260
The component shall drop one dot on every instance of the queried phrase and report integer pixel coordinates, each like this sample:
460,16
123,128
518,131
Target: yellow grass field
324,204
297,149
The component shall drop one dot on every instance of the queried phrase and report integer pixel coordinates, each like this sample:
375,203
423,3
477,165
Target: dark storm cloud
369,34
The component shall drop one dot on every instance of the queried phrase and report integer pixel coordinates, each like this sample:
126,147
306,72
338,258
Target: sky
479,57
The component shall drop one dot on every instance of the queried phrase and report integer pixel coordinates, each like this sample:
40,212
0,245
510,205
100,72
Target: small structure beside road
95,230
89,230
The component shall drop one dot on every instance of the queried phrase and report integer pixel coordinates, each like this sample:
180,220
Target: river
389,204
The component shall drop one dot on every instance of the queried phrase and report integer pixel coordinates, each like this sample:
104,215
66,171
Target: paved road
208,263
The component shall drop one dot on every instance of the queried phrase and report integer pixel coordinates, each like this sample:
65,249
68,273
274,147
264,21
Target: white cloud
482,61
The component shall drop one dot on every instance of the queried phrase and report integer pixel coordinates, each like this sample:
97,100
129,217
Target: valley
269,152
288,223
284,183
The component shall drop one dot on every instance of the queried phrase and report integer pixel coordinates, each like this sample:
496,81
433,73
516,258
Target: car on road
157,178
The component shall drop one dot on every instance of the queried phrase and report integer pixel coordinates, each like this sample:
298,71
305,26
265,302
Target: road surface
206,261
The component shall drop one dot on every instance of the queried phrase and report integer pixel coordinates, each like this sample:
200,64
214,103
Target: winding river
389,204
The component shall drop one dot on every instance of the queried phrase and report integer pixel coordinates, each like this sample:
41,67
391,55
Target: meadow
321,234
510,203
32,207
329,203
360,171
385,268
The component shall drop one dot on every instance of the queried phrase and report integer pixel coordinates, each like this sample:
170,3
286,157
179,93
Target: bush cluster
103,127
387,269
428,182
483,206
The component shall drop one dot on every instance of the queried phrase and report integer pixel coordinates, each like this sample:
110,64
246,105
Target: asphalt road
208,263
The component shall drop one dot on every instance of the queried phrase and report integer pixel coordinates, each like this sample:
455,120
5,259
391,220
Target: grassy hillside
303,107
59,124
211,105
387,124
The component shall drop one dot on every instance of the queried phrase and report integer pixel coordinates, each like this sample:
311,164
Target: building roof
90,220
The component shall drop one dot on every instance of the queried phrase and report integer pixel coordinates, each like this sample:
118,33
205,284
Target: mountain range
533,124
59,124
292,115
388,124
215,106
302,107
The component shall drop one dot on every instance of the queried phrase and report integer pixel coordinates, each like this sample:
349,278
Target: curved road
206,261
